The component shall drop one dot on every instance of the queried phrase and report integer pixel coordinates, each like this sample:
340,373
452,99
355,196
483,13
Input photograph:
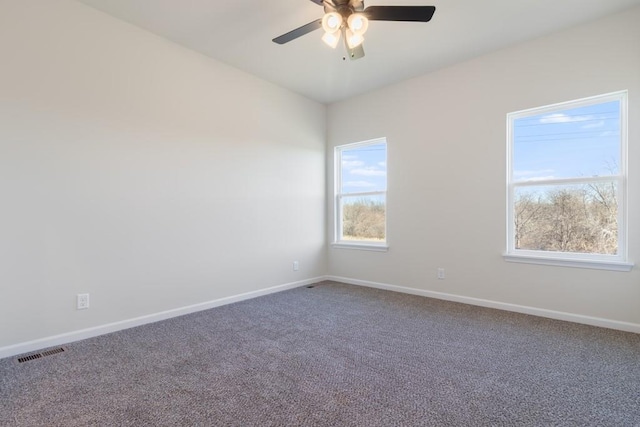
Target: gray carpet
334,355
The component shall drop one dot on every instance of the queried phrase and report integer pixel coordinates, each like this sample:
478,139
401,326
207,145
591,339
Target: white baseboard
70,337
541,312
82,334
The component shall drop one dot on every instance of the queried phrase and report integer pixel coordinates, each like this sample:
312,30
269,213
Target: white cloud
368,172
534,175
359,184
541,178
350,164
609,133
526,173
382,164
563,118
594,125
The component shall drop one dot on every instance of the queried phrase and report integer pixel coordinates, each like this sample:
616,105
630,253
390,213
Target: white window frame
356,244
618,262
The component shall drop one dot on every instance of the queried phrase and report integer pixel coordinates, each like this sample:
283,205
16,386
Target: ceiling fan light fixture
353,39
331,22
349,20
358,23
331,39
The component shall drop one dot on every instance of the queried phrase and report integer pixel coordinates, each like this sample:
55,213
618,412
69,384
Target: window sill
361,246
568,262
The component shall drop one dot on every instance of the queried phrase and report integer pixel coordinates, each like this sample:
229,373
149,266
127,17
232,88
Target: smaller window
361,194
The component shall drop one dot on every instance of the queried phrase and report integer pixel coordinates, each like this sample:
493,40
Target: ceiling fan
349,19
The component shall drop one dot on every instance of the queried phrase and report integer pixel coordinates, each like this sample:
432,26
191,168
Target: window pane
363,218
567,218
364,169
575,142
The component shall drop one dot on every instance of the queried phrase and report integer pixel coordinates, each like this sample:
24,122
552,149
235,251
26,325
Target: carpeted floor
334,355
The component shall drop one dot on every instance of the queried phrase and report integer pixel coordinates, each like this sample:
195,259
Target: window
361,195
566,184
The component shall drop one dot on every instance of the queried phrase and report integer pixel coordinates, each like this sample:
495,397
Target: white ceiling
239,33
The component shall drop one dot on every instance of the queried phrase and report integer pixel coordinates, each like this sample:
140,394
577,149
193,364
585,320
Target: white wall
144,174
446,184
154,178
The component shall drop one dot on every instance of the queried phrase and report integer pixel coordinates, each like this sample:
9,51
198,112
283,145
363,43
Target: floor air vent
40,355
30,357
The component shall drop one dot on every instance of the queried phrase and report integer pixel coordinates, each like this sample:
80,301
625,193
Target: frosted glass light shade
331,22
331,39
358,24
354,39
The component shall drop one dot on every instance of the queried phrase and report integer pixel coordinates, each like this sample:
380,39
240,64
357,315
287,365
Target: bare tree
578,219
364,220
526,215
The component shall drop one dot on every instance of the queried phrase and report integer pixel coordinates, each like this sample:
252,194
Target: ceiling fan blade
298,32
355,53
400,13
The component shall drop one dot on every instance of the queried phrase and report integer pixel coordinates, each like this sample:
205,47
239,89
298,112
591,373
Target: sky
364,169
570,143
573,143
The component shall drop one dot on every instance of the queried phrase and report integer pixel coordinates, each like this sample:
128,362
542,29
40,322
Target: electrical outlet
440,273
82,301
296,266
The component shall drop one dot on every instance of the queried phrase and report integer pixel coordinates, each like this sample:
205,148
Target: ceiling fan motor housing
344,7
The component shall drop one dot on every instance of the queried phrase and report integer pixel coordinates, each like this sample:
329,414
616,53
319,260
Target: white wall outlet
82,301
440,273
296,266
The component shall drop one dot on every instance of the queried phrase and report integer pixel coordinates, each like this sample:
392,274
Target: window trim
356,244
618,262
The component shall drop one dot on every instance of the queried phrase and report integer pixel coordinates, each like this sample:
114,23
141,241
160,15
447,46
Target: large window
361,194
566,183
